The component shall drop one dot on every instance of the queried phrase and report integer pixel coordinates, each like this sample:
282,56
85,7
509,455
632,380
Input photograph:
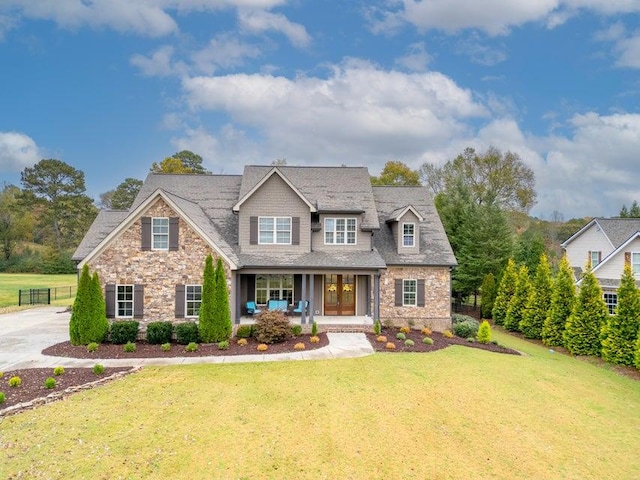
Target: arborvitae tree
96,327
81,306
638,353
563,298
539,301
505,291
488,291
206,327
582,332
620,331
484,332
518,303
221,313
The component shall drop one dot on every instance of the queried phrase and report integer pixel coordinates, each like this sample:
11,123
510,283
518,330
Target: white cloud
481,53
159,63
259,21
224,51
17,151
416,59
629,52
6,23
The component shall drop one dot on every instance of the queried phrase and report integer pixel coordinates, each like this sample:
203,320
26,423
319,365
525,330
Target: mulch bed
439,342
146,350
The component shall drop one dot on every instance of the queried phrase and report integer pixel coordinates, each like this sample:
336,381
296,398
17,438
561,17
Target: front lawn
10,283
458,413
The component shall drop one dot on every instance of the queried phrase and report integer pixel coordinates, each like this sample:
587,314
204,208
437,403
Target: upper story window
274,230
160,233
408,234
595,258
124,301
193,299
635,263
409,293
340,231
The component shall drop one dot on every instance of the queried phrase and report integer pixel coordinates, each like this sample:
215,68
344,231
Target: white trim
275,230
415,292
346,230
153,234
413,235
274,170
612,254
585,228
136,214
408,208
186,300
133,301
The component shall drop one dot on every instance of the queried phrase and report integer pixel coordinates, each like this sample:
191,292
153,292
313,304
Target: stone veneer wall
436,314
124,262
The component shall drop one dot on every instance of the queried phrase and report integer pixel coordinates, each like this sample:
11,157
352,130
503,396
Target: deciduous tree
181,162
563,297
16,223
396,173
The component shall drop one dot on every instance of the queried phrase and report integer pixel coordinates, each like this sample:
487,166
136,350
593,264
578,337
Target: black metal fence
44,296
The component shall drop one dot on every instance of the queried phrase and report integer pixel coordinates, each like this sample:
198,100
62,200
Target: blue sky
110,86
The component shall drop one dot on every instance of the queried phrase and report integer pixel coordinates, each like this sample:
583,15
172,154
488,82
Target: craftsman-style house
607,244
321,235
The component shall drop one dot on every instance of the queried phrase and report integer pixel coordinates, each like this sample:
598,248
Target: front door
339,294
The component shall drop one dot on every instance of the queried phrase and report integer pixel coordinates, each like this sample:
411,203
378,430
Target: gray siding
363,239
408,217
275,199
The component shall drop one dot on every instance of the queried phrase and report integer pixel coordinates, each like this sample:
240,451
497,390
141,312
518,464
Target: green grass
10,283
459,413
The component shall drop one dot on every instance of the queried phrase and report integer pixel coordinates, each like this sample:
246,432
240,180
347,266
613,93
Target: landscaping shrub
58,371
299,346
166,347
539,301
98,369
129,347
191,347
296,330
377,327
427,341
405,330
215,315
466,329
518,303
314,329
471,339
272,327
262,347
3,397
426,331
186,333
242,342
484,332
223,345
50,383
563,297
381,339
409,343
244,331
92,347
390,346
15,382
459,318
124,331
314,339
506,290
401,336
159,332
447,333
88,322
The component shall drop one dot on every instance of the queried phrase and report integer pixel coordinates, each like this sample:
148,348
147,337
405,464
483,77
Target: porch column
376,297
311,290
235,281
303,297
368,312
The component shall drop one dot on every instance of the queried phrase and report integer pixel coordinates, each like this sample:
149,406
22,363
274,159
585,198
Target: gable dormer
405,225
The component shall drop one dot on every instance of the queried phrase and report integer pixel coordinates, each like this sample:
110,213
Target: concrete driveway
24,334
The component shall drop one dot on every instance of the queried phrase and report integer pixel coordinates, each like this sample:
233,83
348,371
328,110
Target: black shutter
146,233
253,230
295,230
173,233
398,292
110,300
138,301
420,293
180,289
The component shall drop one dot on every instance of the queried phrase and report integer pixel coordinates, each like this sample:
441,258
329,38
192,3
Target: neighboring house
319,234
607,244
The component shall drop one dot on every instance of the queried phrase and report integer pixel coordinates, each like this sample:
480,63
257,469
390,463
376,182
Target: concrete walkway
24,334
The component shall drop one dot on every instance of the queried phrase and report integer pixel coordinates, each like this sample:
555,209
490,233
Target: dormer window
408,234
340,231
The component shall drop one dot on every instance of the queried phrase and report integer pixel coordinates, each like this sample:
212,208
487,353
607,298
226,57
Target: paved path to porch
24,334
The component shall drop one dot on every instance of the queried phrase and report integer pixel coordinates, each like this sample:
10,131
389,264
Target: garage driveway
24,334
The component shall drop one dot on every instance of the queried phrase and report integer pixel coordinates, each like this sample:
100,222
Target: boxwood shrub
244,331
187,333
159,332
124,331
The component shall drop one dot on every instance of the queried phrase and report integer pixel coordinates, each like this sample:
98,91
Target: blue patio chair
301,304
252,309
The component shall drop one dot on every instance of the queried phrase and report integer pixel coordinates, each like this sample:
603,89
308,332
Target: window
160,233
274,230
635,263
274,287
409,293
124,301
340,231
595,258
408,234
193,300
611,299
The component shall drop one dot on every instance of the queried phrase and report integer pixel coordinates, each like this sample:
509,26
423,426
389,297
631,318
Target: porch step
346,328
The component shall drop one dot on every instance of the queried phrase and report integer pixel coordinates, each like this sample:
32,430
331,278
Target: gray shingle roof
434,244
103,225
321,260
619,230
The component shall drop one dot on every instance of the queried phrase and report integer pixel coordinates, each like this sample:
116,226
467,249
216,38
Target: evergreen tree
206,327
582,332
506,290
563,297
81,306
518,302
638,353
620,331
221,312
97,325
539,301
489,292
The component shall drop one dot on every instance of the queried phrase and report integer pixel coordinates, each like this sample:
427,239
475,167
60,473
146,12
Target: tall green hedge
88,321
81,305
518,302
506,289
206,327
221,312
563,298
539,301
